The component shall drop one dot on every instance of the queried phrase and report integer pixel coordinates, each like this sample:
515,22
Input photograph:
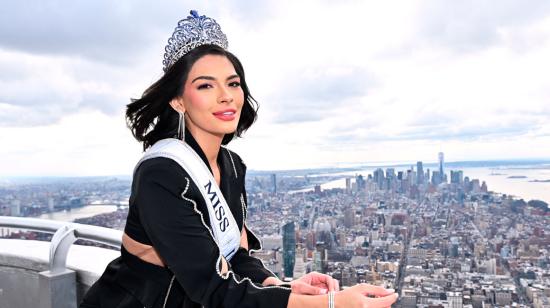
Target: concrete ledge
22,260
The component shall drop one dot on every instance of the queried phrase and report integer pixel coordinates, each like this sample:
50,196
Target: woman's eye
204,86
235,84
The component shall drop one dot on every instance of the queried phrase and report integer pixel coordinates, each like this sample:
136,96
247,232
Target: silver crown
192,32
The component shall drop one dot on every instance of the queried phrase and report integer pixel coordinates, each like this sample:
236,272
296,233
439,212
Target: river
69,216
81,212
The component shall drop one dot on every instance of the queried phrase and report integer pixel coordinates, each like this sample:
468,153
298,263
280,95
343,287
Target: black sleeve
169,214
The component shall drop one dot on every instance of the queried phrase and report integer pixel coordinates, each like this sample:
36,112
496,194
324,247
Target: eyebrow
212,78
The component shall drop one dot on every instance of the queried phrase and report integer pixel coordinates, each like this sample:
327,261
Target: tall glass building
289,249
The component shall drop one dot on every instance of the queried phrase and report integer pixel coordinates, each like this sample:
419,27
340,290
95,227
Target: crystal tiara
192,32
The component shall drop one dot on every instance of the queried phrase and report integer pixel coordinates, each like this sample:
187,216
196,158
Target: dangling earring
181,126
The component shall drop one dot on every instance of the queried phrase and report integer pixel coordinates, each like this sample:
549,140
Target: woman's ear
177,104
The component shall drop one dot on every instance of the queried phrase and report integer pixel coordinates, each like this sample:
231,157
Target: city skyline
390,84
445,242
526,179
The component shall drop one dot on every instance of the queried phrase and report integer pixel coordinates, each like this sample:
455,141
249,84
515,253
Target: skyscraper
419,173
457,177
361,184
436,178
274,183
289,249
428,175
390,177
300,266
379,178
349,217
390,173
317,189
441,171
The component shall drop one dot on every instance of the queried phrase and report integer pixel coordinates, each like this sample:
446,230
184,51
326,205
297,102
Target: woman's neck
209,143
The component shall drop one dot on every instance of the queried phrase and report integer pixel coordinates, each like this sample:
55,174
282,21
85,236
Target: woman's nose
225,95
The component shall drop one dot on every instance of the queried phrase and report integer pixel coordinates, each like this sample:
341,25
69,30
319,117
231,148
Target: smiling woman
182,84
207,98
186,242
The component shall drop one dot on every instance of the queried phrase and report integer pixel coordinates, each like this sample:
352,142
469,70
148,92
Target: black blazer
167,211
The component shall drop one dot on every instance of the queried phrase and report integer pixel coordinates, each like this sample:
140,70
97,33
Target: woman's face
212,97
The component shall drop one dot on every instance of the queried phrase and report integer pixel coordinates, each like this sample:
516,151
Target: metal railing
64,235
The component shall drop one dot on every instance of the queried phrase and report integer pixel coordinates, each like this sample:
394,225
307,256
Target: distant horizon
350,166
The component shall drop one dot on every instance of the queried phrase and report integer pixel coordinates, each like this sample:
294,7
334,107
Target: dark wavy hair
151,118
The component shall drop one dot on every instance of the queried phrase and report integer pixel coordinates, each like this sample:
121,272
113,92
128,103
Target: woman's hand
365,295
314,283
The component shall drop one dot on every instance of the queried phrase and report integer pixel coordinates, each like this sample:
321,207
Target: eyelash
234,84
203,86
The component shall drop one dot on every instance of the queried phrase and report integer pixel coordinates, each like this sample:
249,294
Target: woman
186,243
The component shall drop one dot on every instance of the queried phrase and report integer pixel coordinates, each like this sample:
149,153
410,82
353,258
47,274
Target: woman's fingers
331,283
323,280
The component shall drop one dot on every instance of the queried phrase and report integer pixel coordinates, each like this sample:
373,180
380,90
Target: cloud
68,28
314,94
250,14
40,90
466,26
430,127
18,116
341,81
112,32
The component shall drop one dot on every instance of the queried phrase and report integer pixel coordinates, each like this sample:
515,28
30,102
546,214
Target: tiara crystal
190,33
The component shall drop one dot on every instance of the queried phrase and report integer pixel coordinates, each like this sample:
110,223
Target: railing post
57,290
58,285
61,242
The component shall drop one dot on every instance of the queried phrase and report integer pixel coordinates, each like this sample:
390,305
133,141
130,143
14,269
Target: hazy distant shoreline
512,182
336,167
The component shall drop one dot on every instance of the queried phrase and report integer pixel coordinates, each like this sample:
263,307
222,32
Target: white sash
225,229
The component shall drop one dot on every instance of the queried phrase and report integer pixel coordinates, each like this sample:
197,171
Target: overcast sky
338,82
